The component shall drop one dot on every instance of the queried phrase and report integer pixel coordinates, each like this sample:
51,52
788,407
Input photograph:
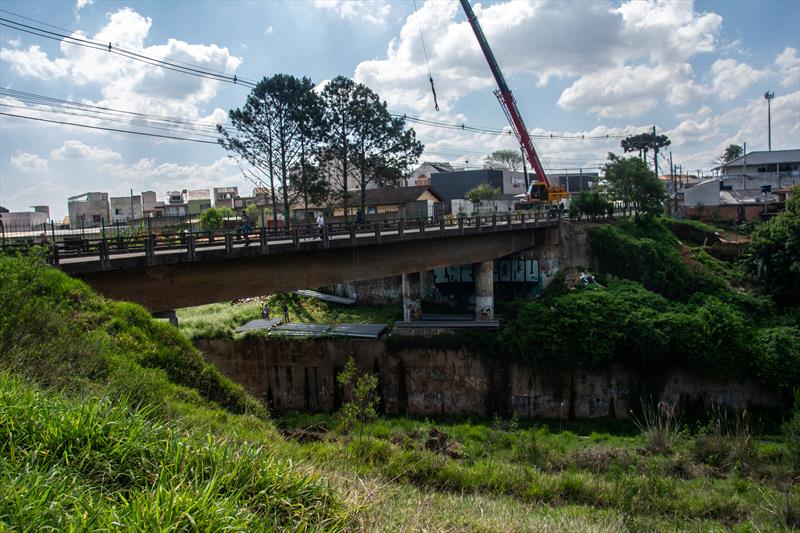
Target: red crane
509,105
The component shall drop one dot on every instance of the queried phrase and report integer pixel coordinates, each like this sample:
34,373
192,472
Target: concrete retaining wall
301,374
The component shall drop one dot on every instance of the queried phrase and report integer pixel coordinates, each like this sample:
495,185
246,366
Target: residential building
422,174
174,204
196,200
402,202
126,208
226,196
88,210
24,220
151,207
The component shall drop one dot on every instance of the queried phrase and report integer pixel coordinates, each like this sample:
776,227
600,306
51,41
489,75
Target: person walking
246,228
321,224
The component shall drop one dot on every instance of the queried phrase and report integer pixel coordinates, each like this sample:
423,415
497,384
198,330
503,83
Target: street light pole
769,95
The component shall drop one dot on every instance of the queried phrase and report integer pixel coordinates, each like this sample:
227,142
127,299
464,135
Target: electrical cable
117,130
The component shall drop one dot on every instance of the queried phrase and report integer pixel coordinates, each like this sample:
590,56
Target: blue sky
697,71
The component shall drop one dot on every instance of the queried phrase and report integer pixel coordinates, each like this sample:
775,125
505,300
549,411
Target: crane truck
540,191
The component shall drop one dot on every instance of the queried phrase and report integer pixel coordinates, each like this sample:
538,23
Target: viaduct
166,278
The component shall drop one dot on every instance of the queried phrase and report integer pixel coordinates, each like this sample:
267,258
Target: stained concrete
291,374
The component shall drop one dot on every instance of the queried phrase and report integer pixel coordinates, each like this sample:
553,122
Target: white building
750,178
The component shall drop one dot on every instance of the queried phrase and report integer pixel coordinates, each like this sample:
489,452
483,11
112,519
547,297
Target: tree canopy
773,255
364,143
277,132
482,193
505,160
635,185
731,152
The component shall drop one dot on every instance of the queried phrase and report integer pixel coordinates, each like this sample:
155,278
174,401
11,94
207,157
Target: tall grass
92,464
660,426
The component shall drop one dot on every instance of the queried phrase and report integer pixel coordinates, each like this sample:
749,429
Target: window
96,219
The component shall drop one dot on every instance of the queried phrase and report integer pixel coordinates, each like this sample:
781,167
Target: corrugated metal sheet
255,325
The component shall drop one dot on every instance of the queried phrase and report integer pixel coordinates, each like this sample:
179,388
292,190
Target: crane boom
506,98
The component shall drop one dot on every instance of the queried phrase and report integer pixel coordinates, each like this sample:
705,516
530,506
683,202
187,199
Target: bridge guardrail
107,243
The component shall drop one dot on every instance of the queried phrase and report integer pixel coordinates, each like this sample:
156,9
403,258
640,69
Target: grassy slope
132,429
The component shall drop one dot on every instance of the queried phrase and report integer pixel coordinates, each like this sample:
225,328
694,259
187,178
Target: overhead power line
117,130
216,75
174,65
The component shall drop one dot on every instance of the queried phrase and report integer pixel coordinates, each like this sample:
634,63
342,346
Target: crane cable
427,63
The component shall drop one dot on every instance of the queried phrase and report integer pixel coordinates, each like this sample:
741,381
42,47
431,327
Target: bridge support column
484,290
170,315
412,302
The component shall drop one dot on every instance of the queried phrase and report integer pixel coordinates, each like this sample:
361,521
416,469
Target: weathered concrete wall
301,374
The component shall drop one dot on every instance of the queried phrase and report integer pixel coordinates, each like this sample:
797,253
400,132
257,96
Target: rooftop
391,196
765,157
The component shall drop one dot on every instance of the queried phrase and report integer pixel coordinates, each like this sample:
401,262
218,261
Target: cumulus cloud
34,63
28,162
148,174
80,4
78,150
371,12
638,41
788,64
128,84
731,78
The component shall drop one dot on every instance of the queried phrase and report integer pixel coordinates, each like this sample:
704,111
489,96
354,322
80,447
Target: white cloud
371,12
788,64
619,92
80,4
731,78
28,162
34,63
147,174
127,84
702,139
78,150
268,29
14,42
639,41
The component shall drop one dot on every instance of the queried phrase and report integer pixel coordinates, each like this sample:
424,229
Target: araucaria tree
364,142
635,185
278,132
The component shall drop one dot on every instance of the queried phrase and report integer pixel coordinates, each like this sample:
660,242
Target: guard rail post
228,242
461,224
190,246
441,225
262,239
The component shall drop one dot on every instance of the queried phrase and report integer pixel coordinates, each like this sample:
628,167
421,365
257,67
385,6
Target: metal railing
111,242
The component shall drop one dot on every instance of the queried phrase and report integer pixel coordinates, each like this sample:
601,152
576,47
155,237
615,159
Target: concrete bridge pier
412,300
484,290
170,315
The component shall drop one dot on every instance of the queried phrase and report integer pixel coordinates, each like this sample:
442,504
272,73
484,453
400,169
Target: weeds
660,426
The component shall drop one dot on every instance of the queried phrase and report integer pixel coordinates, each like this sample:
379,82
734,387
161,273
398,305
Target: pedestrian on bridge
245,228
321,225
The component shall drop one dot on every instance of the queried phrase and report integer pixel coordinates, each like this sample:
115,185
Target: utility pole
131,208
655,151
769,95
674,184
524,169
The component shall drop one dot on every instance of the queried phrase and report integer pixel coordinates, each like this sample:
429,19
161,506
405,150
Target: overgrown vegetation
773,255
576,471
220,320
655,310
